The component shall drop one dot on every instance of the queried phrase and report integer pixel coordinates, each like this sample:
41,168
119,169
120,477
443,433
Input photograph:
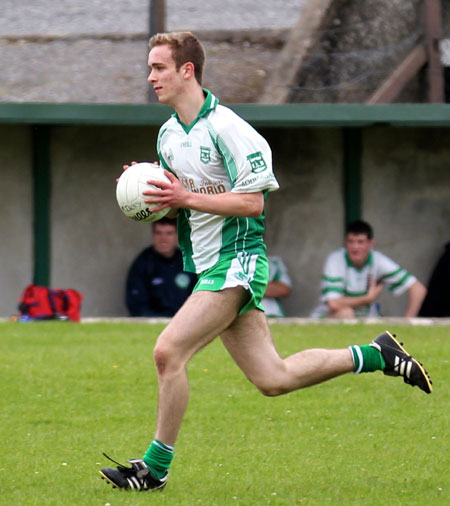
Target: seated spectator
279,286
156,284
354,277
437,301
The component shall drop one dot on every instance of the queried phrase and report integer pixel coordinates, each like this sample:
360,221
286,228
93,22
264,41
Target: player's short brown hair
185,48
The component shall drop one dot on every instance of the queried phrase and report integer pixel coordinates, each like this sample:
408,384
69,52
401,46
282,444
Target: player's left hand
171,194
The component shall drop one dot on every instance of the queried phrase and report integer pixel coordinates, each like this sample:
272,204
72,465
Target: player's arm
277,289
227,204
372,295
280,284
175,195
417,293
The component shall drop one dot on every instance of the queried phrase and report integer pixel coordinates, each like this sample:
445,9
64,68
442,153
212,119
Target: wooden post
433,33
157,16
157,24
391,87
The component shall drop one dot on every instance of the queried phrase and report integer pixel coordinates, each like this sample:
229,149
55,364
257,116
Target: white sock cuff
356,349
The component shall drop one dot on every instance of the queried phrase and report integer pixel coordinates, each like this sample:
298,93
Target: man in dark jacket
156,283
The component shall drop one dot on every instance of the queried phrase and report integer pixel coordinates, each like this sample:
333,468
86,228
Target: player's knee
164,358
160,358
344,312
269,389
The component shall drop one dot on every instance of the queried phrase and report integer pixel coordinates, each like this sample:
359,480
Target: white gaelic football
130,186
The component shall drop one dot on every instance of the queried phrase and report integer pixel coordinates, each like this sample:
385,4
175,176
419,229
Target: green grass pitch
71,391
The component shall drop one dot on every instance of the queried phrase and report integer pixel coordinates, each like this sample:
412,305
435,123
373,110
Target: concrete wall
93,242
305,216
16,201
406,196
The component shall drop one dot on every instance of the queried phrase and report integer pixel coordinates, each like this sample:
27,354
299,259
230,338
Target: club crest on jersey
257,162
205,154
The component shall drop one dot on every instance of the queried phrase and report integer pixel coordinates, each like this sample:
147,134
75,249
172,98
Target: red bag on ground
43,303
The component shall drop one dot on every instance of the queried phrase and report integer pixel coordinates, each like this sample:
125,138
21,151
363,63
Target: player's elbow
254,214
286,290
333,305
255,205
418,290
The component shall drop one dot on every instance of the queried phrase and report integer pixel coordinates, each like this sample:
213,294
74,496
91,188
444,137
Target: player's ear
188,70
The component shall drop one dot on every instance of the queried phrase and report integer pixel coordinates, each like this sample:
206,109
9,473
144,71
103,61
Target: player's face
358,248
166,80
165,239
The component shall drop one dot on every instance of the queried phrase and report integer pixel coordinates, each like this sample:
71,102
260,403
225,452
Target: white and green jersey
218,152
342,279
277,272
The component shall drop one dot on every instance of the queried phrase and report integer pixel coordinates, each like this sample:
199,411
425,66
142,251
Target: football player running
220,172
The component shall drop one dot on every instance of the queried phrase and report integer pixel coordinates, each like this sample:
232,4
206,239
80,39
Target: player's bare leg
249,342
344,312
202,318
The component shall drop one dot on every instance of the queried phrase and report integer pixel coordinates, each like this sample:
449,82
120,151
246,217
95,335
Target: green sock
158,458
367,359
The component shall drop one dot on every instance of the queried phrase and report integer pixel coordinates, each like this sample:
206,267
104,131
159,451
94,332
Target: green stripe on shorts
249,270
